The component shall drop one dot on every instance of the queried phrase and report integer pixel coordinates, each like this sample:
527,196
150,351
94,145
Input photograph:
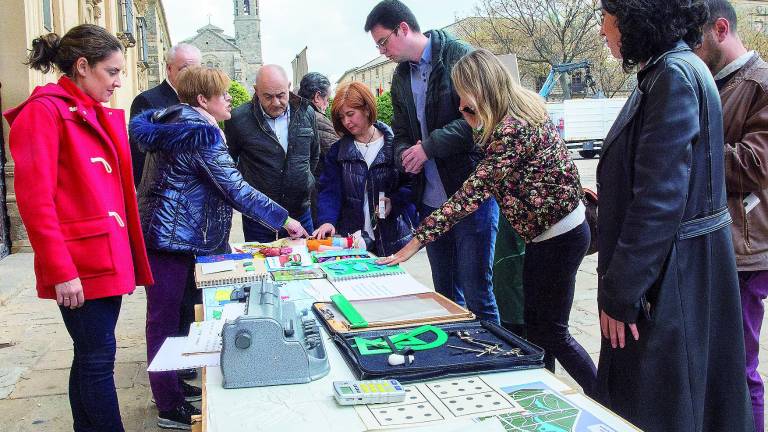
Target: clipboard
390,312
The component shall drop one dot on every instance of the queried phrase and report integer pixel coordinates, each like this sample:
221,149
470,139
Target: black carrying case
442,361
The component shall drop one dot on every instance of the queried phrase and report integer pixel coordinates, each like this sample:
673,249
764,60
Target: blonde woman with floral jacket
527,169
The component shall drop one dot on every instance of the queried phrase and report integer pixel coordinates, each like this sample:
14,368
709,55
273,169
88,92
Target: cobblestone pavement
35,350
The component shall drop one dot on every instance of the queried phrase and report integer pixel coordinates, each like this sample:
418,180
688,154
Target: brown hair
90,41
200,80
354,95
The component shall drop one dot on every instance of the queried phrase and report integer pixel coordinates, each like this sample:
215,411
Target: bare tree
546,32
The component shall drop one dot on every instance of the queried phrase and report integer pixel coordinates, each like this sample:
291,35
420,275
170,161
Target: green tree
239,94
384,106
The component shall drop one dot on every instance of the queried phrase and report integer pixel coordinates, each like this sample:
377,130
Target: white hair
171,53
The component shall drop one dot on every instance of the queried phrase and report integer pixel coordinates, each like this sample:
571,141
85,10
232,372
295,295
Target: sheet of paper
171,357
379,287
217,267
204,336
320,289
400,309
232,310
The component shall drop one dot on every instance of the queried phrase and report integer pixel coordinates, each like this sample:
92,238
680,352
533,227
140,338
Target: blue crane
562,68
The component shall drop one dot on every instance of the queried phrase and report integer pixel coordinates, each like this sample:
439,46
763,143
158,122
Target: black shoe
179,418
191,393
187,374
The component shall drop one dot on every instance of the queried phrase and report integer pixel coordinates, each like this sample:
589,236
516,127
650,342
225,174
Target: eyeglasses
468,110
383,43
600,15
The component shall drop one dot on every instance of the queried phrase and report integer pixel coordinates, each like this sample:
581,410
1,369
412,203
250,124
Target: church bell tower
248,37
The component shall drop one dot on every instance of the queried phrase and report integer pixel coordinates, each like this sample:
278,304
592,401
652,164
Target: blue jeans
92,394
549,281
255,231
462,260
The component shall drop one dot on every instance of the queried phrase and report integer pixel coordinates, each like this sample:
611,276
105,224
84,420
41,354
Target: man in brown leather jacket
742,79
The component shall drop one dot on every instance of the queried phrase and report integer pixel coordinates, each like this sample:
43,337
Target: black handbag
590,203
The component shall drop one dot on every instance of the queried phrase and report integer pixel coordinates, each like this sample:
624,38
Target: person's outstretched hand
325,230
403,254
294,228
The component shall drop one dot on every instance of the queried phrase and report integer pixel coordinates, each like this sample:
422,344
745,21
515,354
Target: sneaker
191,393
179,418
187,374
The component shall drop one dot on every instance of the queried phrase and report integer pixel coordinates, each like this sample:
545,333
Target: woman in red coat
75,194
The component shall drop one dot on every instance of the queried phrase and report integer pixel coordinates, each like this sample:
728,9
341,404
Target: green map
546,411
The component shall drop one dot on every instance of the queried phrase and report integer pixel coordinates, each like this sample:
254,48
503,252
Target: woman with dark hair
672,355
189,187
78,204
360,175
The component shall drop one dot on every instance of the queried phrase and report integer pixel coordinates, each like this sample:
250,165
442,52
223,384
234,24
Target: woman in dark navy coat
672,355
358,168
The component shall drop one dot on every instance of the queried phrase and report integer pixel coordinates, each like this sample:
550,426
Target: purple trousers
172,273
754,289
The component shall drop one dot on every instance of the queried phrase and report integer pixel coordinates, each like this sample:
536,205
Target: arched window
246,7
209,64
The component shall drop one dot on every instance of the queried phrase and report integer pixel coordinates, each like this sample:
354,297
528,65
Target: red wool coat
74,188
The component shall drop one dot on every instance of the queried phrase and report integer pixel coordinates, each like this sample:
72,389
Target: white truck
584,123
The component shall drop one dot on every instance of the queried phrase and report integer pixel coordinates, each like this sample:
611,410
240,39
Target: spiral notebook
238,268
363,279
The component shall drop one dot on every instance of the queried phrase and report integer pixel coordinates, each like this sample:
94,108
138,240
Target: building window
125,20
246,7
141,34
47,15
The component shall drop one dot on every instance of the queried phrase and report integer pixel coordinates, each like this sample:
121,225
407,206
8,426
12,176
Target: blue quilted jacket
190,183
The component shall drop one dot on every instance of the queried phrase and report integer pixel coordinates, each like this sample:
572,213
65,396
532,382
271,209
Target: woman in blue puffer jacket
358,169
187,192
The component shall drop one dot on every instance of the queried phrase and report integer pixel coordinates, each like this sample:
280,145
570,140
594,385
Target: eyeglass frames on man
383,43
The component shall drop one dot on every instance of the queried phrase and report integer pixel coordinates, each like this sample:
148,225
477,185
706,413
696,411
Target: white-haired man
162,95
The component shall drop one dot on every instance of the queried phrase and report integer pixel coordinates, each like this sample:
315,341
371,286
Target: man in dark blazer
163,95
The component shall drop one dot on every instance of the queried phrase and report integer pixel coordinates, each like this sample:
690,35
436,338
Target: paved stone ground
35,349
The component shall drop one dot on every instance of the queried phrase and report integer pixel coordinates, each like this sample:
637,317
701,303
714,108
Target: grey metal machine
271,344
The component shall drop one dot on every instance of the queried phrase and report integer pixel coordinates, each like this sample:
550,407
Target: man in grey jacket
275,143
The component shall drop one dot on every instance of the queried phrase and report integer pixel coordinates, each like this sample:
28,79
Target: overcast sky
331,29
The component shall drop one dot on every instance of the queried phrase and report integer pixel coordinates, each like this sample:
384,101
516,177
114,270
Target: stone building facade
140,24
239,56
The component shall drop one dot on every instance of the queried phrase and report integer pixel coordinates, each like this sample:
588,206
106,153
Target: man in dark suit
163,95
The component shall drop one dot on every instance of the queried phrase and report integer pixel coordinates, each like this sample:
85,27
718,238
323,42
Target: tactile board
430,403
413,413
459,387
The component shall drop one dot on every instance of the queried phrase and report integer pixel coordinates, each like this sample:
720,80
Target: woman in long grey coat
672,355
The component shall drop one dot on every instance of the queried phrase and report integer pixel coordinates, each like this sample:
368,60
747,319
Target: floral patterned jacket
530,173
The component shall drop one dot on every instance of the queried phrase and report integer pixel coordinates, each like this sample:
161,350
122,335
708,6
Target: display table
311,407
